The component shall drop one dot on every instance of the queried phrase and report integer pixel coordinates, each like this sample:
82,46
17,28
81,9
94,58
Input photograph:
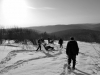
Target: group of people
41,41
72,49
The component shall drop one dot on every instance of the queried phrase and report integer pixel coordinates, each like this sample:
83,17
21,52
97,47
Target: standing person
49,40
42,40
72,50
39,44
61,42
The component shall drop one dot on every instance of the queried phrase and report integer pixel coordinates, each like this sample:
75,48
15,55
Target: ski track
30,62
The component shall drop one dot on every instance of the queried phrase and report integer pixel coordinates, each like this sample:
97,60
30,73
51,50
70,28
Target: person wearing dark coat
72,50
39,44
42,40
49,40
61,42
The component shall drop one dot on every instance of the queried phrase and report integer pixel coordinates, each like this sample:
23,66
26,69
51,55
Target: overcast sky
48,12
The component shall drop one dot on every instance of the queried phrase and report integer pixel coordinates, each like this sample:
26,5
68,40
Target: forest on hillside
85,35
22,35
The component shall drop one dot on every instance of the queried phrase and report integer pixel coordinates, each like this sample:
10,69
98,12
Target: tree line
22,35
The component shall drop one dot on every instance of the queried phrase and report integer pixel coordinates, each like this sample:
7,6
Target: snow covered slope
18,61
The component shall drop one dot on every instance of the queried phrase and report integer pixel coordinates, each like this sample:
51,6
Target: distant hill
56,28
79,34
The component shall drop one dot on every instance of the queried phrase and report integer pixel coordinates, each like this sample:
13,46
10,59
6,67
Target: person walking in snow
72,50
61,42
39,44
48,40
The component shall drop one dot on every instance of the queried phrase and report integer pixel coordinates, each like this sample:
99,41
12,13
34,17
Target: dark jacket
39,42
72,48
60,41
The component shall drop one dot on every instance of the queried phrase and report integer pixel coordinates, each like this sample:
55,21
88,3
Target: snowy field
18,59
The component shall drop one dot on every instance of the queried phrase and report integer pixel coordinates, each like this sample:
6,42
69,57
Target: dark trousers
70,58
39,47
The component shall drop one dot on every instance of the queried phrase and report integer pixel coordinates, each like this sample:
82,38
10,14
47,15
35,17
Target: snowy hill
21,60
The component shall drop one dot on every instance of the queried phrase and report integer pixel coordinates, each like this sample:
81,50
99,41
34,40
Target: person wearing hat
72,50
